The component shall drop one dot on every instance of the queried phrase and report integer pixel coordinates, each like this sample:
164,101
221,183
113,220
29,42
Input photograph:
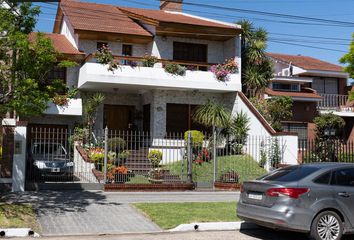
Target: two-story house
137,97
315,86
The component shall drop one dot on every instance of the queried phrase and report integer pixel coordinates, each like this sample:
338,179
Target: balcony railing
138,61
334,102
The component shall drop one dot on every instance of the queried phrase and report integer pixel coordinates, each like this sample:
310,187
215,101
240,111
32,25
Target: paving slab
63,213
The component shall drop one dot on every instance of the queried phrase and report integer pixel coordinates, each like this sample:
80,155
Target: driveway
95,212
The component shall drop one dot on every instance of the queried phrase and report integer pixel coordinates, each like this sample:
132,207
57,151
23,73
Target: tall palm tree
257,69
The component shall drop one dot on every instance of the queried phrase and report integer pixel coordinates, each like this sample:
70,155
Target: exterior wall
68,31
70,121
280,67
304,111
162,97
164,49
342,86
90,46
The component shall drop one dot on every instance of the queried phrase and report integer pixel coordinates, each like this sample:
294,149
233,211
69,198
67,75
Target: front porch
156,111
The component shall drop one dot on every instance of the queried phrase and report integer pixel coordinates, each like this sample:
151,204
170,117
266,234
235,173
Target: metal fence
327,150
107,156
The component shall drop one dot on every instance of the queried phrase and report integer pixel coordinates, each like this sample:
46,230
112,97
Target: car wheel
327,226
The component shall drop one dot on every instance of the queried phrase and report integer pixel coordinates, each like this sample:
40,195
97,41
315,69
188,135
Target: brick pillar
311,131
8,130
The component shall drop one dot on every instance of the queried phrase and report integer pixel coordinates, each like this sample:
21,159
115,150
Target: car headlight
70,164
39,165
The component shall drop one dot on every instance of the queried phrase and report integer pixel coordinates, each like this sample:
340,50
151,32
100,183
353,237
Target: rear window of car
290,174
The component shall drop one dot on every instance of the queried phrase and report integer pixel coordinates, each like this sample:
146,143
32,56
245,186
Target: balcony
132,75
338,104
72,108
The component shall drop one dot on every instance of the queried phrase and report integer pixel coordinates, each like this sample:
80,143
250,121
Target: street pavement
65,213
251,234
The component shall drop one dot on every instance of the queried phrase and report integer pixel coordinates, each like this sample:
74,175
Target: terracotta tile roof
101,18
165,16
302,94
60,43
307,63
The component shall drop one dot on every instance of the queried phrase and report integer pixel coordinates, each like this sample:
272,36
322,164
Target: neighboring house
315,86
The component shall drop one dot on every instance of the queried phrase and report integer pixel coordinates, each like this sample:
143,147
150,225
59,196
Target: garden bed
227,186
18,216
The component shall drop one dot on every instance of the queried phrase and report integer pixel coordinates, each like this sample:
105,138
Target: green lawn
244,165
138,179
170,215
18,216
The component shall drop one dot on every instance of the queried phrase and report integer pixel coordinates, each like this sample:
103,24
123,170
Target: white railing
334,102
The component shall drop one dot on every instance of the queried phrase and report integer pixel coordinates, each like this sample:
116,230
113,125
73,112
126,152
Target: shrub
155,157
197,137
149,61
175,69
116,144
327,122
263,158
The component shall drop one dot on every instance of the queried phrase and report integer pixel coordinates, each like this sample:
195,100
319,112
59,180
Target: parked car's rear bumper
276,217
63,171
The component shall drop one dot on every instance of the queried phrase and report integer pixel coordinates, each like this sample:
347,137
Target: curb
213,226
17,232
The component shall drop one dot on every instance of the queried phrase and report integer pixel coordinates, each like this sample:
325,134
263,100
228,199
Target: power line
272,14
308,46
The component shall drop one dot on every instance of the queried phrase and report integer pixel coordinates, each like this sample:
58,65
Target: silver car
315,198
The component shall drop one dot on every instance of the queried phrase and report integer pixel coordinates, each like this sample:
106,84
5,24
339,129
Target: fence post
214,156
105,153
189,157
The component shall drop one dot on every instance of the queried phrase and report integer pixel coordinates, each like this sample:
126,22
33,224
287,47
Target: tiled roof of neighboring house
307,63
175,17
100,18
60,43
302,94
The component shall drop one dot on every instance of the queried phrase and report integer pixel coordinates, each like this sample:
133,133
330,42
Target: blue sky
341,10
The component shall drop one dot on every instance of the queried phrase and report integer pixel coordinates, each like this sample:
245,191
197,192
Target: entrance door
119,117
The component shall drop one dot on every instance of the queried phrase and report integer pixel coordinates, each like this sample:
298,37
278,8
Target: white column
19,162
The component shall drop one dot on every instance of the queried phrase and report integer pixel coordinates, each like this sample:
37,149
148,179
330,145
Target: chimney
171,5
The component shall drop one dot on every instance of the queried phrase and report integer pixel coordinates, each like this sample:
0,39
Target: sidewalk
96,212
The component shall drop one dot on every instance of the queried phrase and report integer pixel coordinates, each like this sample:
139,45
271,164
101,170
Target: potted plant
156,173
223,71
122,157
121,174
175,69
149,61
96,154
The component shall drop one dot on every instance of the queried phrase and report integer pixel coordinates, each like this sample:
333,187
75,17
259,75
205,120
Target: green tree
275,110
349,59
257,68
213,115
327,123
26,59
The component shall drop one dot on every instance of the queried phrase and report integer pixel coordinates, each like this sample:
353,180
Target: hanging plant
222,71
104,56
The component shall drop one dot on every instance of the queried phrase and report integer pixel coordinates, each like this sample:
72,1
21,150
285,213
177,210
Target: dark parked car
50,159
315,198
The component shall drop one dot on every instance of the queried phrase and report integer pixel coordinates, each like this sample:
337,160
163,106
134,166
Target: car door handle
343,194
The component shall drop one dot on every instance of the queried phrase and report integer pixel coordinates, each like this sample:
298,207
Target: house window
179,118
286,87
190,52
127,50
57,73
100,45
299,128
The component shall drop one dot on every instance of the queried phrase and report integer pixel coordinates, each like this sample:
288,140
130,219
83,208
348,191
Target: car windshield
48,148
290,174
